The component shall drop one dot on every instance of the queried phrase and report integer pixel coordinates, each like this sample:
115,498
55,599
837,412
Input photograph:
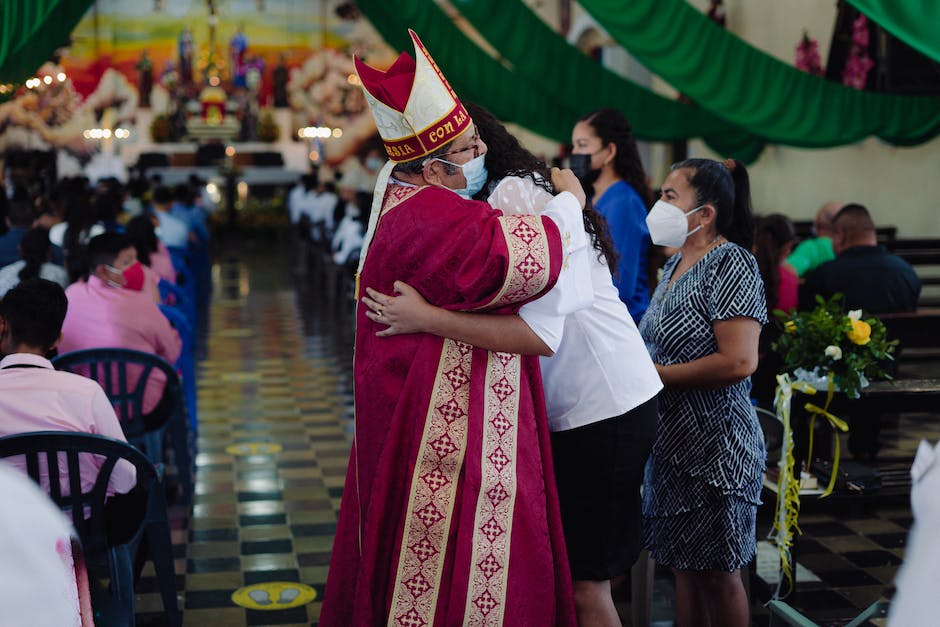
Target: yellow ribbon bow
786,519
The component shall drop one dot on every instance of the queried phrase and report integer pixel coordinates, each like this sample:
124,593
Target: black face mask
580,164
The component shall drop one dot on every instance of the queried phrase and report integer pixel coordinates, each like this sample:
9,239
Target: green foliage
852,346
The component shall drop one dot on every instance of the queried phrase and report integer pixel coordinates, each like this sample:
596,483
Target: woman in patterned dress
703,478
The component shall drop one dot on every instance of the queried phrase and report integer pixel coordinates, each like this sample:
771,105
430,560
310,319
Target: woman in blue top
621,195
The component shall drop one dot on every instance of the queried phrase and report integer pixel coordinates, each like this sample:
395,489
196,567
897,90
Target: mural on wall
194,64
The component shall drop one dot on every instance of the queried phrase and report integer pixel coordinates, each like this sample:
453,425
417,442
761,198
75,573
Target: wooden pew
924,255
918,333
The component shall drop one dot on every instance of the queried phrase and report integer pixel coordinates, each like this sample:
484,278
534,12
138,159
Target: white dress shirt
601,368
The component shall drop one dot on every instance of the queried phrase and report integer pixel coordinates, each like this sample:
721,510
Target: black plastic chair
48,448
109,367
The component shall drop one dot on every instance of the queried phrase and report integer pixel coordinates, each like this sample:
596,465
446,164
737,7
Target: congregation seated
80,223
35,253
349,232
36,397
151,252
814,251
864,272
171,230
18,220
185,208
111,309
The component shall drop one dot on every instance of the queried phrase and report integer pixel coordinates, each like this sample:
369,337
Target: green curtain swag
543,57
914,22
31,30
474,75
751,89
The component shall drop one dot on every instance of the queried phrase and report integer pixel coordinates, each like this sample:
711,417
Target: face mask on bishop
474,171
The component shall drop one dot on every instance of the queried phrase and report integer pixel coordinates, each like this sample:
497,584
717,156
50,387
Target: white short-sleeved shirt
601,368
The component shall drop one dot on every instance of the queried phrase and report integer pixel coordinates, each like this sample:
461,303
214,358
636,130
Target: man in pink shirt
109,310
36,397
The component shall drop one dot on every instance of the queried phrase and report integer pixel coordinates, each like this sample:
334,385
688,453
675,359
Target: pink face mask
133,276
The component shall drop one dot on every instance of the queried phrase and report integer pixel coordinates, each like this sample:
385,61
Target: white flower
855,315
834,351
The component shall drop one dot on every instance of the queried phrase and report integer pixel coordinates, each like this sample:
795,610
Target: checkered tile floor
276,370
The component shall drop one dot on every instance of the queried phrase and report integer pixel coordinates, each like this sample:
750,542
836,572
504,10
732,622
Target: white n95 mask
669,225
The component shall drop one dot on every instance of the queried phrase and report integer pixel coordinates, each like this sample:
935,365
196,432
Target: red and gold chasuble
450,514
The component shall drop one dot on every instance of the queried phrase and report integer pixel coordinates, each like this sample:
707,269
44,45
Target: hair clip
730,164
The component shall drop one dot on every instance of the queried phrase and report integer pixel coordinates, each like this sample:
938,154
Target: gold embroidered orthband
528,260
492,523
433,491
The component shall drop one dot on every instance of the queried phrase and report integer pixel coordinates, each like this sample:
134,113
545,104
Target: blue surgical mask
474,171
374,163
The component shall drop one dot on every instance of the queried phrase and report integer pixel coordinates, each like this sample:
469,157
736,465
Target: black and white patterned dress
703,478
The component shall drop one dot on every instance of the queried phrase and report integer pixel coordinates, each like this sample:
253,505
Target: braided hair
34,249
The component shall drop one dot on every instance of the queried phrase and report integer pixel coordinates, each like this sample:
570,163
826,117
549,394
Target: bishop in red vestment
449,513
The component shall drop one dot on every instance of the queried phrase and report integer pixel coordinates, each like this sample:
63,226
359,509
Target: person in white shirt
349,234
34,396
171,230
40,586
914,603
600,384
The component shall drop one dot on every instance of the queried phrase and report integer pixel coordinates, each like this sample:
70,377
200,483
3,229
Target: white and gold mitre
414,107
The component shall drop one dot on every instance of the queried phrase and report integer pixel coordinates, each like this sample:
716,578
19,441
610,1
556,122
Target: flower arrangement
851,346
857,66
807,55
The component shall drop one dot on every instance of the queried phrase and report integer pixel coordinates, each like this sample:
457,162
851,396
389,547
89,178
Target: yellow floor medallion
245,449
274,595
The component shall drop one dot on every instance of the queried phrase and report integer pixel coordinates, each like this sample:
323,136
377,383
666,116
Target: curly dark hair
612,127
505,156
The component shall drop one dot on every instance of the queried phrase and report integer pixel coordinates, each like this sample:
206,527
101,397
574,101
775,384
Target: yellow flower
860,333
789,326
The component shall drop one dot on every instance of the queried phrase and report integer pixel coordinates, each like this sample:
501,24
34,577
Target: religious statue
185,48
144,69
279,77
237,48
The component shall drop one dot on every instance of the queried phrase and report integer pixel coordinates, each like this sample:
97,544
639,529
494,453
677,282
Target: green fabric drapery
473,74
31,30
564,74
478,77
751,89
915,22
